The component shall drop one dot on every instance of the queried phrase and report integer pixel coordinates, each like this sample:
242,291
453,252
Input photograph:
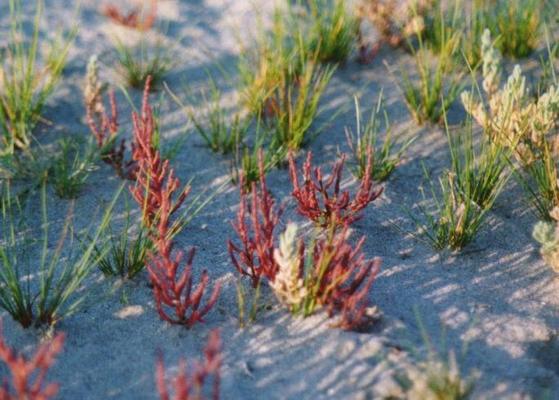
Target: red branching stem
155,180
254,226
28,376
190,386
160,195
321,200
345,278
105,130
133,19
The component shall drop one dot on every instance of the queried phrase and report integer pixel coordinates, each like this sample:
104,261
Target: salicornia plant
27,79
330,273
395,20
366,136
40,281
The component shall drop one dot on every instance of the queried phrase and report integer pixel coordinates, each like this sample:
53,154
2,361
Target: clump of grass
475,23
141,60
70,168
442,25
248,310
385,157
295,105
123,254
43,290
539,177
29,166
275,54
333,31
220,133
432,95
282,82
246,164
25,84
434,376
517,24
465,193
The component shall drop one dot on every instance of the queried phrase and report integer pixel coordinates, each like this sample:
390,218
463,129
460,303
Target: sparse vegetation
333,30
26,83
512,118
465,192
70,168
437,87
366,136
43,290
137,62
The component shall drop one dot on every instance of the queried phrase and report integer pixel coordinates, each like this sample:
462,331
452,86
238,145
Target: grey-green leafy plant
70,168
465,192
333,30
25,82
547,234
144,59
41,281
366,136
434,376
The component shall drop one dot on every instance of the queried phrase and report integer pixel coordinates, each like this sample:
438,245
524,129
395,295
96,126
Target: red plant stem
190,387
105,130
255,227
133,18
158,192
345,279
321,200
28,376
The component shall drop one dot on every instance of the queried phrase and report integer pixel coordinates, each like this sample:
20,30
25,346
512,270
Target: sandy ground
497,298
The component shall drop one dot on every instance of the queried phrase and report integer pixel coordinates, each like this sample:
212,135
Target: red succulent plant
190,386
28,376
160,195
321,199
256,221
135,19
104,128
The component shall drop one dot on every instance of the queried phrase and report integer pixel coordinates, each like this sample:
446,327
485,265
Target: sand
495,304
